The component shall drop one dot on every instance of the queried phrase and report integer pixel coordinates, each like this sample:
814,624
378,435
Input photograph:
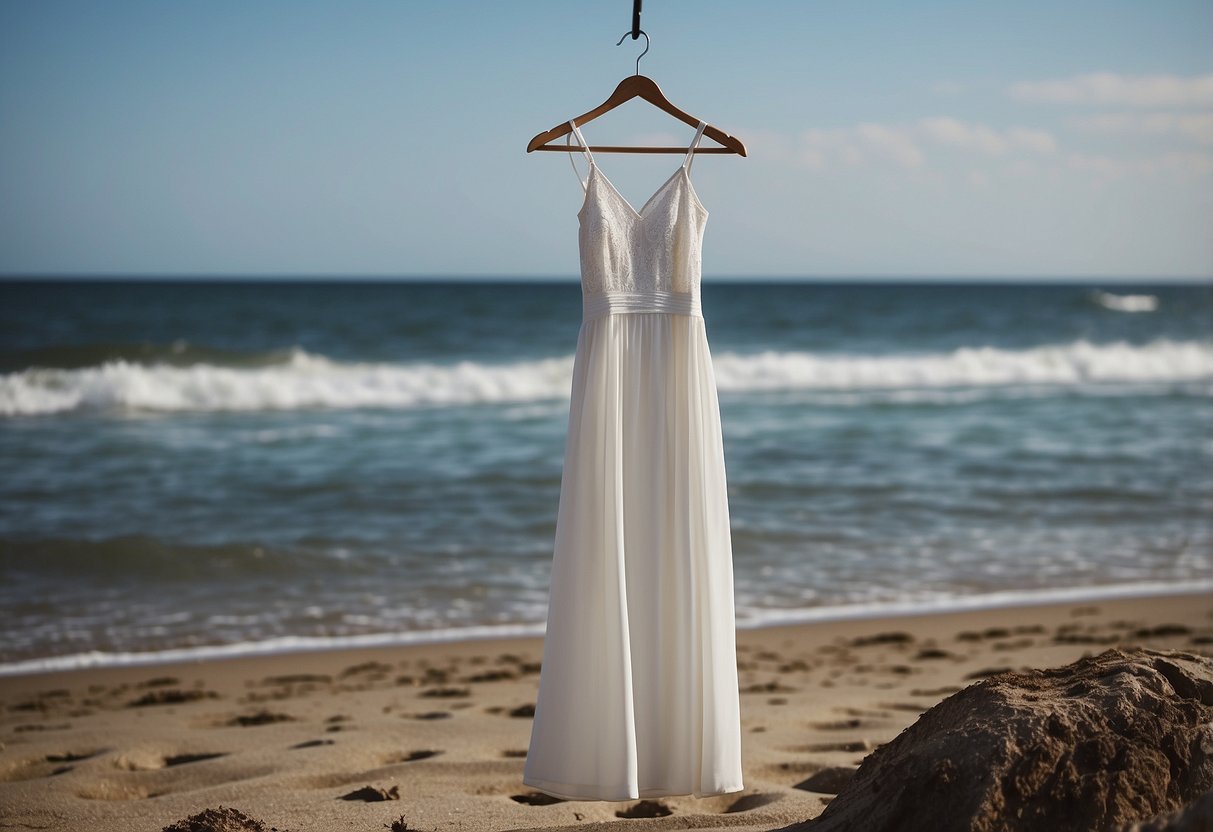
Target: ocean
205,468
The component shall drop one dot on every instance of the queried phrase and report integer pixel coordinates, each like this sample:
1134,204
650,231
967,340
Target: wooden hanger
632,87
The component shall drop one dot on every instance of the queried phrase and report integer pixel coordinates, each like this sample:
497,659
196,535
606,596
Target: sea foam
1126,303
306,380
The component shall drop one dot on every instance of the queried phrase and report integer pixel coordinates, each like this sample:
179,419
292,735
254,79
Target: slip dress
638,683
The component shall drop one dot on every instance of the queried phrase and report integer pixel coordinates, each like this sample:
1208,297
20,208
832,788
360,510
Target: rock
372,794
1195,817
1108,741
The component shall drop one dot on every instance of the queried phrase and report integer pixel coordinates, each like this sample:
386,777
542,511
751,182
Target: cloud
902,143
1121,90
979,137
1197,127
890,141
1198,164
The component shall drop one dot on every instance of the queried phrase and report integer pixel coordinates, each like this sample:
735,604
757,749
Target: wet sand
441,730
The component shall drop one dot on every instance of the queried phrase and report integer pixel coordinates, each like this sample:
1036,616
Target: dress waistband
677,303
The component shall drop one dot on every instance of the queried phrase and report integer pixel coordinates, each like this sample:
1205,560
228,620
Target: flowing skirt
638,687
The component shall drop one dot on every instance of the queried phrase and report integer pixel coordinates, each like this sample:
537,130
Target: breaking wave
295,379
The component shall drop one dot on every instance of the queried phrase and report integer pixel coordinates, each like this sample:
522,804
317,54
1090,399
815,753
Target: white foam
1074,364
306,380
753,619
746,619
1126,303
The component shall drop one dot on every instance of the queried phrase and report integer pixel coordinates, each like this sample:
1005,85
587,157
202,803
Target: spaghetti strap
694,144
585,148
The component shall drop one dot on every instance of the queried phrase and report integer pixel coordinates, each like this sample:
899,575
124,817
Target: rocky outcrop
1100,744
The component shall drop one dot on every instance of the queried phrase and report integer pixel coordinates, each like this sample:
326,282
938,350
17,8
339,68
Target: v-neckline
660,188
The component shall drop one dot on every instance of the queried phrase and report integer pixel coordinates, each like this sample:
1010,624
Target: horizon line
285,277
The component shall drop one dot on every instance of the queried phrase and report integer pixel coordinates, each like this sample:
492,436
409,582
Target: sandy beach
441,730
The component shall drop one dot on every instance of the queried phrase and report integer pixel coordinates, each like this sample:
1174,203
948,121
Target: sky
884,139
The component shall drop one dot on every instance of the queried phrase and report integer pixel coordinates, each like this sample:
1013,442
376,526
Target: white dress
638,687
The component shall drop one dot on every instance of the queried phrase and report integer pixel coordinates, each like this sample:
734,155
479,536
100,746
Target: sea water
200,468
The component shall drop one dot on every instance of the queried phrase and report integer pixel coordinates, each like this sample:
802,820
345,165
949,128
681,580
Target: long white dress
638,686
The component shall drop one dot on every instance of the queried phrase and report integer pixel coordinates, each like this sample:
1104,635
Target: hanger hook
646,45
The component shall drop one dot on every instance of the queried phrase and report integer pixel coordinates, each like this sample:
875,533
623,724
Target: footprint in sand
837,725
514,753
850,746
830,780
47,766
411,756
152,780
749,802
536,799
137,762
767,687
39,726
646,809
908,707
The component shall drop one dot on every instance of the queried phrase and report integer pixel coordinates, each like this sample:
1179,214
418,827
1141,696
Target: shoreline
286,738
289,645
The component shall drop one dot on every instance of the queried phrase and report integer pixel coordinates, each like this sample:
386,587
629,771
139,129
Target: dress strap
694,144
585,148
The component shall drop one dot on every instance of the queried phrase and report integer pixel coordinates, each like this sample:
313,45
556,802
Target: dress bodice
641,261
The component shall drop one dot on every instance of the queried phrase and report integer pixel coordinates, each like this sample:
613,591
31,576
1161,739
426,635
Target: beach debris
398,825
372,667
171,696
490,676
645,809
372,794
259,718
882,638
218,820
1105,742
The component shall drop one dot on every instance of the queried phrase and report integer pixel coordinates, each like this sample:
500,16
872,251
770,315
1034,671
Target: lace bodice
641,261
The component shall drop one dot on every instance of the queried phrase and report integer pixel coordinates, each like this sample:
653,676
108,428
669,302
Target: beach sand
445,726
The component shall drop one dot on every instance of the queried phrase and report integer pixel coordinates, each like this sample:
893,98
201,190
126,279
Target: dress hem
569,791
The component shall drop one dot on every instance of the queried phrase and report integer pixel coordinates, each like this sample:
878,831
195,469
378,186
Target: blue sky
892,139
